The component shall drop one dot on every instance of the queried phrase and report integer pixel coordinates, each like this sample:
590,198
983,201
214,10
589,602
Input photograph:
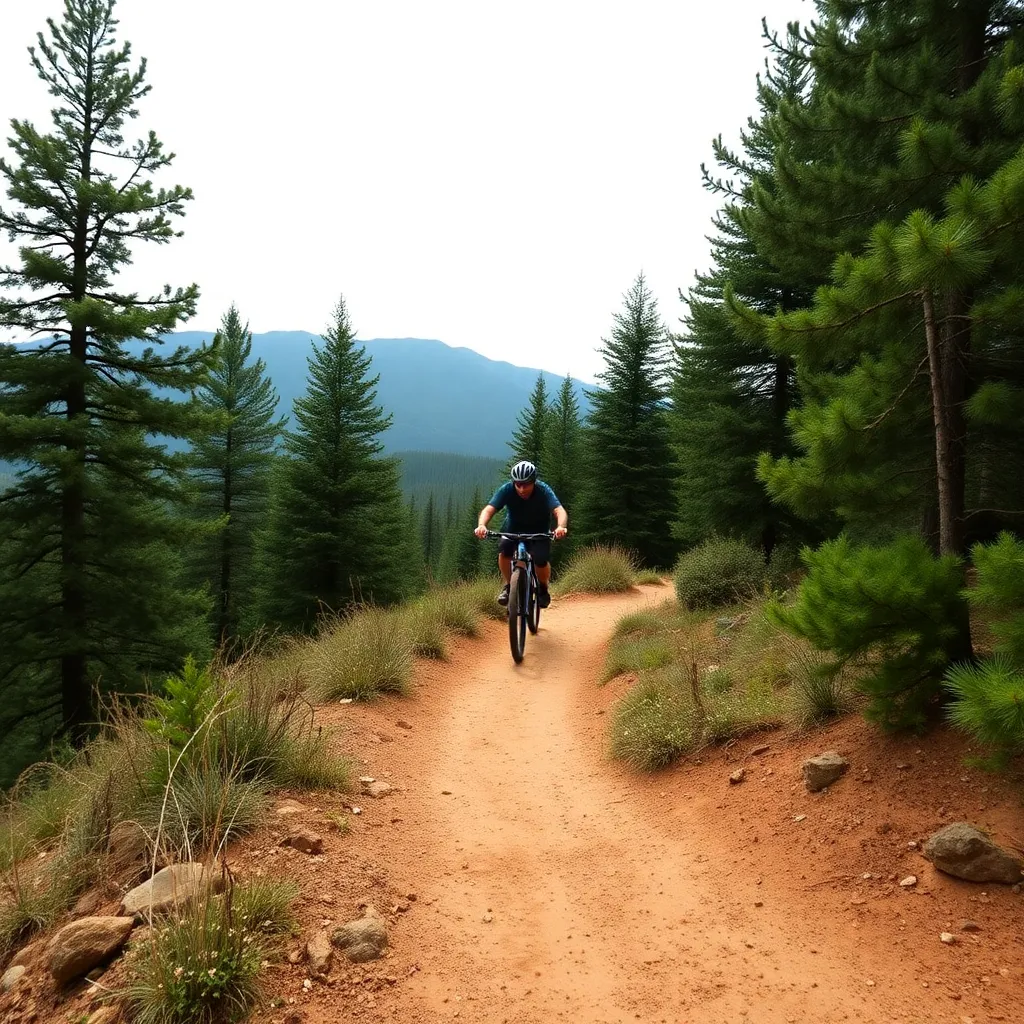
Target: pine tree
626,497
460,556
232,468
90,590
562,458
430,532
528,437
336,517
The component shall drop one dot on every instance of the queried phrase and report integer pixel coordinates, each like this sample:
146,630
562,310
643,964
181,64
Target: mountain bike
523,607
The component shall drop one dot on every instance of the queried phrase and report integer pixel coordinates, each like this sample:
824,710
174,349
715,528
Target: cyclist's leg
540,548
506,549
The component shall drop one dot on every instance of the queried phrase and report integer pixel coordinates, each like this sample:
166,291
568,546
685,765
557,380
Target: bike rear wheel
517,612
533,607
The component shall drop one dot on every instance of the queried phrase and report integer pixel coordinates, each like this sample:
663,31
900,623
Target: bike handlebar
520,536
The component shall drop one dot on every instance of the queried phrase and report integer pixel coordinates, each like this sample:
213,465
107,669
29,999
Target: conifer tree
430,532
626,496
90,590
460,557
562,459
231,464
528,437
334,535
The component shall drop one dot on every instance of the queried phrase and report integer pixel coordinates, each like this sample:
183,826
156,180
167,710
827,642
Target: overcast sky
491,175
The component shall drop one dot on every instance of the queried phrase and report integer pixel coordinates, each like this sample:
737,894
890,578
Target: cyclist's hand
560,532
481,532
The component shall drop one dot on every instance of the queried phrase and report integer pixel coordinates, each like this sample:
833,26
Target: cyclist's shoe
543,596
503,596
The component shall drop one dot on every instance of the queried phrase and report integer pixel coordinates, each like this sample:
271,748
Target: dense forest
846,392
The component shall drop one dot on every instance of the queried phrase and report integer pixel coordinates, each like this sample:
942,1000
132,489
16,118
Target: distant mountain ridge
441,399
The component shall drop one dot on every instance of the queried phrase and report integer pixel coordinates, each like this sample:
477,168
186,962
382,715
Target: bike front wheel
533,607
517,613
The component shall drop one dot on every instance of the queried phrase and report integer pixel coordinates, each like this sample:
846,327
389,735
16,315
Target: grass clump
453,608
650,577
202,966
719,572
653,725
598,569
637,653
482,595
365,654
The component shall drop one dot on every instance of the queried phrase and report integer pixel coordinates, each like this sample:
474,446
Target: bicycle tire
533,607
517,615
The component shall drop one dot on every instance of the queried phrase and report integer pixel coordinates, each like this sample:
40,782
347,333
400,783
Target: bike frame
523,609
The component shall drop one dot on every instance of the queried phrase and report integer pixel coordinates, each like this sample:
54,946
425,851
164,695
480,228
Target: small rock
363,939
738,776
11,977
81,945
948,938
909,881
305,842
966,852
105,1015
823,770
402,724
912,845
88,903
177,883
377,789
970,926
799,817
488,918
287,808
762,749
320,953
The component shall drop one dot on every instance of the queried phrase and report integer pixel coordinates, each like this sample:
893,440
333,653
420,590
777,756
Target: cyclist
530,503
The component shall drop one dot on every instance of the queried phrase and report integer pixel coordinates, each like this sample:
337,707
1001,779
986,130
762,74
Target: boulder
80,946
11,977
320,953
823,770
105,1015
169,887
363,939
966,852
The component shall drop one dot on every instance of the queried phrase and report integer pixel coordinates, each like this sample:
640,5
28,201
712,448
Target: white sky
491,175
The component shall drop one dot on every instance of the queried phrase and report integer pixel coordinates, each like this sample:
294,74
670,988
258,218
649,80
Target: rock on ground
305,842
363,939
966,852
81,945
11,977
823,770
172,885
320,953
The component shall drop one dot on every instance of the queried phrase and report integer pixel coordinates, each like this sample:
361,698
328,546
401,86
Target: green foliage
638,653
97,500
364,654
203,966
891,610
626,493
335,509
719,571
988,698
598,569
528,437
231,468
189,701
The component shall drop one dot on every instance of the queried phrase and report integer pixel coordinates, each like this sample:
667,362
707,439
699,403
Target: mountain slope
442,399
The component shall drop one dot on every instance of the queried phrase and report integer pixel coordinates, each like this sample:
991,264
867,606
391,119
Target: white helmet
524,472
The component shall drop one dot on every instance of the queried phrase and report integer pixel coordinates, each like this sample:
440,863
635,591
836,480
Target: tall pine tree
89,590
528,437
626,496
231,464
336,517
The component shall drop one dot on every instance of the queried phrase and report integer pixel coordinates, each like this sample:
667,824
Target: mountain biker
530,503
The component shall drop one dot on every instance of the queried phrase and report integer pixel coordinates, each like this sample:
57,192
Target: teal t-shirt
526,515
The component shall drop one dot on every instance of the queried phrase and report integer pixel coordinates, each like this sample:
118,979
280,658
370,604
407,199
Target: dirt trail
551,884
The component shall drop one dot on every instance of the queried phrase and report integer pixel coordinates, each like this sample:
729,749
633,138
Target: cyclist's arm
561,519
485,515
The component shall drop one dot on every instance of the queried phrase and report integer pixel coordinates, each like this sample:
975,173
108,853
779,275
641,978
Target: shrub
653,725
820,690
453,607
598,569
482,595
645,622
637,653
367,653
718,572
650,577
201,967
426,632
891,610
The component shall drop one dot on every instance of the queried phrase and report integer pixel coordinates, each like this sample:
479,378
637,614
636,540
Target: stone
966,852
81,945
305,842
363,939
738,776
970,926
320,953
88,903
288,808
28,955
761,749
823,770
105,1015
909,882
11,977
169,887
948,938
376,789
